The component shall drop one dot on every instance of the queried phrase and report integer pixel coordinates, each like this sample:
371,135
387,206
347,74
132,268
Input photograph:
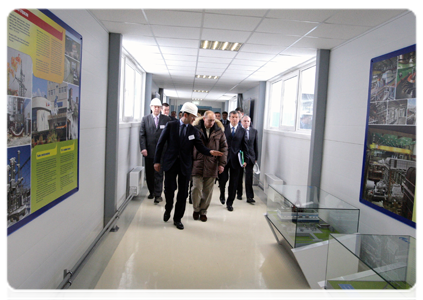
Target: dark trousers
154,178
231,174
174,179
248,182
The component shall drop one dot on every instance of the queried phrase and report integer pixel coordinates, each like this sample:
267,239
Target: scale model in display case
305,215
371,261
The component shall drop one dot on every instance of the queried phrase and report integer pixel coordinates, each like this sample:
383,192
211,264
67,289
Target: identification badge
191,137
162,126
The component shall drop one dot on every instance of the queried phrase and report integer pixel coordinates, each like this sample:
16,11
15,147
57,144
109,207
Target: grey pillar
319,117
148,94
112,127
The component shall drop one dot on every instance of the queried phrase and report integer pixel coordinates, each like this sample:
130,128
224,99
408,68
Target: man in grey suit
152,126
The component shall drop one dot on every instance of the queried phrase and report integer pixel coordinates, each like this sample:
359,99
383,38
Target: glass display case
370,261
305,215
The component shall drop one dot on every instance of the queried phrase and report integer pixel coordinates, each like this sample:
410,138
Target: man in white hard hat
152,126
180,137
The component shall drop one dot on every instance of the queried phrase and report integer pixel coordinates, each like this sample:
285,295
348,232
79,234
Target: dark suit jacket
149,134
252,146
235,144
177,149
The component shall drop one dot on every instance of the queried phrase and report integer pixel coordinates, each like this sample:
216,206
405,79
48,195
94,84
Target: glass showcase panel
305,215
365,261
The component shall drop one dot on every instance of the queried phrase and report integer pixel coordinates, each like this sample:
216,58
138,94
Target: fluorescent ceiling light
207,76
200,91
218,45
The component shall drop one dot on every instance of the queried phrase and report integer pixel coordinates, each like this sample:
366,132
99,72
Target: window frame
284,77
138,91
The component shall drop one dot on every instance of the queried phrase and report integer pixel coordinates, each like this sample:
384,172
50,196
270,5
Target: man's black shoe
151,196
179,225
158,200
230,208
222,199
166,216
251,201
239,197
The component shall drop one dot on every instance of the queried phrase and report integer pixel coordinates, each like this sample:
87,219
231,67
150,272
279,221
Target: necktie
156,120
248,134
233,131
183,130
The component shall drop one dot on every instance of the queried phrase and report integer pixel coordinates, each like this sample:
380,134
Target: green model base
373,290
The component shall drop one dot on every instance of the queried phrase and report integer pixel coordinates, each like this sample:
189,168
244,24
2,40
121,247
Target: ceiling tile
124,15
128,29
230,22
225,35
179,51
176,32
363,17
338,31
272,39
173,17
217,53
285,27
219,60
254,48
181,63
179,57
311,15
183,43
318,43
255,56
239,12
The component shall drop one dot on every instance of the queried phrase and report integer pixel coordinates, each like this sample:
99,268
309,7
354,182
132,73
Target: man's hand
244,165
221,169
157,167
216,153
144,152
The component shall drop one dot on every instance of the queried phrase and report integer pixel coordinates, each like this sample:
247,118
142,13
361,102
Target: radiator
271,179
136,180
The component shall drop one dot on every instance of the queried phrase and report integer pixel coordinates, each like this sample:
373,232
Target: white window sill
293,134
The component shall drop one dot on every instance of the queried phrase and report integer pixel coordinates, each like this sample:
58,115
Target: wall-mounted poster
389,164
43,98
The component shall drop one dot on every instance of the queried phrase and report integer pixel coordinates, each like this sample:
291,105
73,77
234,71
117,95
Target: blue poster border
47,207
404,220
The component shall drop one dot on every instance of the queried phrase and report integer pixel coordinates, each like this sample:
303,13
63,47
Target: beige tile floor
232,250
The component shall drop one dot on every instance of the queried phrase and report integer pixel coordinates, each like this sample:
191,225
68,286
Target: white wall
346,118
40,251
129,156
285,155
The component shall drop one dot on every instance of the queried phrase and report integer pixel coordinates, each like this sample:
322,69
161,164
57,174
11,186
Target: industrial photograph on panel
406,76
54,112
413,112
18,183
18,121
19,73
383,80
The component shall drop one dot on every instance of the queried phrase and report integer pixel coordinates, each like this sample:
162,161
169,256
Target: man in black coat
235,137
152,126
251,137
180,137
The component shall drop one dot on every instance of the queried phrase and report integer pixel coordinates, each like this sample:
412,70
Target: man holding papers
235,137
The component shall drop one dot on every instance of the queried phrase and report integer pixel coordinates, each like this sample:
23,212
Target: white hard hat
256,168
156,102
190,107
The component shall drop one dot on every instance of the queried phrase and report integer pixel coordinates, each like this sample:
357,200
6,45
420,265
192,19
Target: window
290,102
131,92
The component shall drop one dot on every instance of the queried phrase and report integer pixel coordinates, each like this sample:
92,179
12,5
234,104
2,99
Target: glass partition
304,215
366,261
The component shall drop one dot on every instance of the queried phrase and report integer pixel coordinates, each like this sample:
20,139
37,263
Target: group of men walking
200,150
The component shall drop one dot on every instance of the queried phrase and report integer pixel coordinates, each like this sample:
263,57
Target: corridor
232,250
